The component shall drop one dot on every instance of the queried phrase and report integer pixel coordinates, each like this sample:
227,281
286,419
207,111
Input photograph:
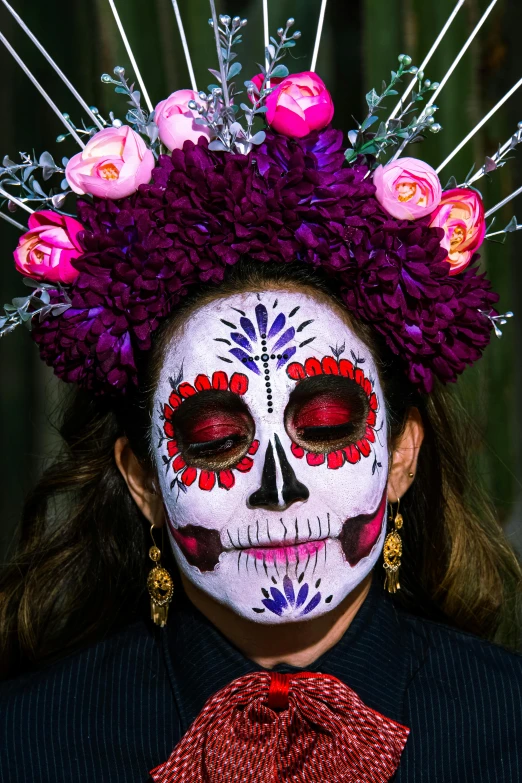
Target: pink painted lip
286,554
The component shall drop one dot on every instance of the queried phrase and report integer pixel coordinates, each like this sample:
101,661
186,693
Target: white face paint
272,455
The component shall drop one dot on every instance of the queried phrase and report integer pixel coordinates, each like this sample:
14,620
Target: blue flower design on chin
290,602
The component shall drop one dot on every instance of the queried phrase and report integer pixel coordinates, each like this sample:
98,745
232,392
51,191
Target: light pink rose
407,188
175,120
299,105
461,215
114,163
45,252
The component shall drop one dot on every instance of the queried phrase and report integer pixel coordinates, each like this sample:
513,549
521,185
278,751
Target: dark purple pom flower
286,201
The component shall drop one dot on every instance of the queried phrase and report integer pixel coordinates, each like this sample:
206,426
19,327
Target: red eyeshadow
323,411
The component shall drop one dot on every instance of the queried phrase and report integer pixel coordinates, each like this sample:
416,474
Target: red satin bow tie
286,728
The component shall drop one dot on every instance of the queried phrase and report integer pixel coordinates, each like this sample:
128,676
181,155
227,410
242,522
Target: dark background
361,41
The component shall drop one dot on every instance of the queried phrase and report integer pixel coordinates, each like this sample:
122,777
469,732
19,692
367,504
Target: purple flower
289,200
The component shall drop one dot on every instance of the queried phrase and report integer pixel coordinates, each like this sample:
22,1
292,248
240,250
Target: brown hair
81,564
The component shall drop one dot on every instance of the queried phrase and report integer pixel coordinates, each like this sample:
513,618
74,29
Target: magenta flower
299,105
45,252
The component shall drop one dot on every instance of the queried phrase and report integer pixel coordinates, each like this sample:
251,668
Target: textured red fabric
319,732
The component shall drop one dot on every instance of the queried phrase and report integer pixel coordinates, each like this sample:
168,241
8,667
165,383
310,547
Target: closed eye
213,447
326,413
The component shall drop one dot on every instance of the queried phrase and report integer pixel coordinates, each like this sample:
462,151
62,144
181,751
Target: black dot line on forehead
264,359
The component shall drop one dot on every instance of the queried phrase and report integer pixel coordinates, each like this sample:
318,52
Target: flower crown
180,193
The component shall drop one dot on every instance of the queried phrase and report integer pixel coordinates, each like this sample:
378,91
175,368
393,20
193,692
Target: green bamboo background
361,41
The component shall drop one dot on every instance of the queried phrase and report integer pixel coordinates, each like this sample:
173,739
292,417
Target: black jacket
115,710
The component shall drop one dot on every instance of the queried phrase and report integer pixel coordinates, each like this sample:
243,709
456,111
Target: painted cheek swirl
207,431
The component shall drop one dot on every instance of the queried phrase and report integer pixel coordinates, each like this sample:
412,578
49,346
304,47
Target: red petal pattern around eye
253,447
296,371
220,380
172,448
245,465
330,366
186,390
202,383
226,479
364,447
370,435
346,368
313,367
353,455
188,476
238,383
297,451
178,463
174,400
314,459
335,459
167,411
168,429
207,479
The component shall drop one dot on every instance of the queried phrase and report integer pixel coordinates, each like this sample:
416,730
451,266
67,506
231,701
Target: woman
261,336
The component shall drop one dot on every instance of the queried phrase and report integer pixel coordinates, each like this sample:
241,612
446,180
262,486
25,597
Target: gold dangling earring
393,552
160,586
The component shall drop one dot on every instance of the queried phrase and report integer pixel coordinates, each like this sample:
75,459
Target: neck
296,644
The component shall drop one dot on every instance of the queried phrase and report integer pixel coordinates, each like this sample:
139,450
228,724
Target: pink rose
45,252
175,120
461,215
299,105
407,188
114,163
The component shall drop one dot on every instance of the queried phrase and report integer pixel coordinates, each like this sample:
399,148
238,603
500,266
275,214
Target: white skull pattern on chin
272,454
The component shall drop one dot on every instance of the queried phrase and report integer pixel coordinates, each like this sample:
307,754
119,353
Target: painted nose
268,495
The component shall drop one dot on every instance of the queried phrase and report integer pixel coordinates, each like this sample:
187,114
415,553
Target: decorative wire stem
16,201
511,143
318,36
479,125
40,89
450,71
222,71
426,60
184,44
495,320
503,231
13,222
503,202
131,55
266,35
50,60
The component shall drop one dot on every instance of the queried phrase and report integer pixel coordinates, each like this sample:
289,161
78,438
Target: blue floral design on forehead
262,338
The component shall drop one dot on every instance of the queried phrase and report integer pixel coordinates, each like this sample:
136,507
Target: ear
405,455
148,501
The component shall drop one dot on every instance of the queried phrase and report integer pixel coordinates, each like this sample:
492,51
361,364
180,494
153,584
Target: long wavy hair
80,568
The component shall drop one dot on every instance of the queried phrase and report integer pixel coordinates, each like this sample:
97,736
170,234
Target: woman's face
271,448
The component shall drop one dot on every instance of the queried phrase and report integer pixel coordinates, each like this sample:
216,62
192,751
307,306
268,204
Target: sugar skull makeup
270,435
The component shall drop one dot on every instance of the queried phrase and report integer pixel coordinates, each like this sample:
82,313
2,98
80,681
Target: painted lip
202,546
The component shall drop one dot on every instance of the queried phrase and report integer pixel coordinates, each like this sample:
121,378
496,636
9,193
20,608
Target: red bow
286,728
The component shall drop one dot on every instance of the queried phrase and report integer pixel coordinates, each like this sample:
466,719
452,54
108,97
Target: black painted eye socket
213,429
326,413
